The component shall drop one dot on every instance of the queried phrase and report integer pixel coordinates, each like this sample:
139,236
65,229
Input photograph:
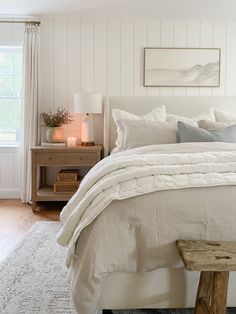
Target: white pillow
212,125
222,116
174,118
208,115
147,132
158,114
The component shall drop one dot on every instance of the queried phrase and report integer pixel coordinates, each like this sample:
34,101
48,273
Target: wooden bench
214,259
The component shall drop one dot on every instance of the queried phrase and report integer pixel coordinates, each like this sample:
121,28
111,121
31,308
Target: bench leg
219,293
212,293
203,298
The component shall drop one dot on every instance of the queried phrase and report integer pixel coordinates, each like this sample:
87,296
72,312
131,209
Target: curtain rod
36,23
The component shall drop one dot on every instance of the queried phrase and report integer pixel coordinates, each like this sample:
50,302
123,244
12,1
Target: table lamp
87,103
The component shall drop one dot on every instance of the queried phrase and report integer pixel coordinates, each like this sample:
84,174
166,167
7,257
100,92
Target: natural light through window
10,94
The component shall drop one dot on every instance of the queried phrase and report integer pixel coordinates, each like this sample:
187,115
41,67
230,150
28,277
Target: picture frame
182,67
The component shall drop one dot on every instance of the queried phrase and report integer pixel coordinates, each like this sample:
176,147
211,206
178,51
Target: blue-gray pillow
189,133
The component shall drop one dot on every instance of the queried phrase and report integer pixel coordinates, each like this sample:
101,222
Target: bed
123,255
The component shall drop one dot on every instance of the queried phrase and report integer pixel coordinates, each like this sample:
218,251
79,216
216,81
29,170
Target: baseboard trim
9,193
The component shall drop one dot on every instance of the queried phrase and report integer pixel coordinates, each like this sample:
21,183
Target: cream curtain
29,134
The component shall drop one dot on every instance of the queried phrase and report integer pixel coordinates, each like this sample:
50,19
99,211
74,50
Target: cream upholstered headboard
185,106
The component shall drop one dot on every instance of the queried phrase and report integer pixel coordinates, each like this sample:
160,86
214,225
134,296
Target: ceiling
214,9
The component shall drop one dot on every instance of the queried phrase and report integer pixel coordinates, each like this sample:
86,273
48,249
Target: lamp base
87,144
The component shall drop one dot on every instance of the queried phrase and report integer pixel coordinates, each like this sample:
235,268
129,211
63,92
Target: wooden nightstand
43,157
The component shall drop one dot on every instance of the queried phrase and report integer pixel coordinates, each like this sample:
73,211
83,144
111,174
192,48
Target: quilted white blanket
145,170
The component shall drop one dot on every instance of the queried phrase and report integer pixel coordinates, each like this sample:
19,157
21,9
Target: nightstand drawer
50,158
83,158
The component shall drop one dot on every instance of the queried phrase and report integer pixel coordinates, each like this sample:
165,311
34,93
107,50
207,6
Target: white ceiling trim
187,9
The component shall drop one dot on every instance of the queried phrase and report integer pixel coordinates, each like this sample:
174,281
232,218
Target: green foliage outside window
10,93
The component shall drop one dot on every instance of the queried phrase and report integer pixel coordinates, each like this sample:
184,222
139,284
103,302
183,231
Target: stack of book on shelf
68,181
61,144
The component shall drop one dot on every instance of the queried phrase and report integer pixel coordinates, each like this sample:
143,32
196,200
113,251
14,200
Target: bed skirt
162,288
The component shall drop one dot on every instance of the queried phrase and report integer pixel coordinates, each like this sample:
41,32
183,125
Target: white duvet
167,192
145,170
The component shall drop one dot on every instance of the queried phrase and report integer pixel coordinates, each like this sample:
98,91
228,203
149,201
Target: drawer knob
50,158
81,158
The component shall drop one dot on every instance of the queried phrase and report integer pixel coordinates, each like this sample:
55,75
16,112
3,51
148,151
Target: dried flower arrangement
57,119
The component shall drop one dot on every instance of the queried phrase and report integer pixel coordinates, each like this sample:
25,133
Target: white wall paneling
87,56
73,55
100,56
230,78
61,62
154,40
167,40
106,55
206,41
180,28
127,57
9,173
113,57
193,41
73,72
219,41
140,41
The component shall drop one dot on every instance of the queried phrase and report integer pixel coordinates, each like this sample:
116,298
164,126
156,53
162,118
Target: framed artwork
183,67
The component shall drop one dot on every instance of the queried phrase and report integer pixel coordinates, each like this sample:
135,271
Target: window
10,94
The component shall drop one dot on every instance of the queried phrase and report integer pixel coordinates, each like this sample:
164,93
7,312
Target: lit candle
71,141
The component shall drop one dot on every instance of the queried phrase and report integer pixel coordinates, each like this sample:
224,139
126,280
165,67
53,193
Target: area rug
33,278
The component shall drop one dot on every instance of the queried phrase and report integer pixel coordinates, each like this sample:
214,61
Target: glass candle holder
71,141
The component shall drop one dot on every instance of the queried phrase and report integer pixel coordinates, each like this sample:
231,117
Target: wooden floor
16,219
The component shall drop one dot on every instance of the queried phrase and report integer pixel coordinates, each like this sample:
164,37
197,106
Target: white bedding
144,170
136,174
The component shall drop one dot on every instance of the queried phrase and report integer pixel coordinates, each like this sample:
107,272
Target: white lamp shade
88,103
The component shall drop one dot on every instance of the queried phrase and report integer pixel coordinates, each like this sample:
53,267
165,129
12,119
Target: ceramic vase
54,134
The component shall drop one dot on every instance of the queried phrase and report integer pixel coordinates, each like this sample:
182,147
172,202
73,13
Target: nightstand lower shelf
47,194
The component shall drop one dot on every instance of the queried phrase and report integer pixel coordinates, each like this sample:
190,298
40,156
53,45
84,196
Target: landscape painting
182,67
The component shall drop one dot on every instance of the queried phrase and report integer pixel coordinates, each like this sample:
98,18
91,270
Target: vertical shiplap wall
106,55
9,173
